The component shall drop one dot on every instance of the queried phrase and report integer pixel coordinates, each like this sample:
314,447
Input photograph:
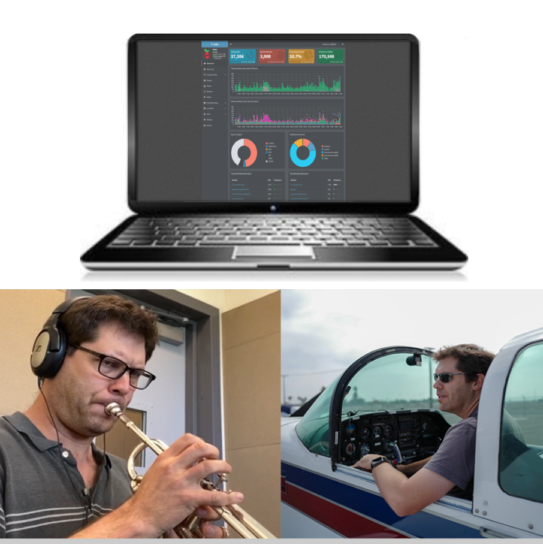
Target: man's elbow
404,508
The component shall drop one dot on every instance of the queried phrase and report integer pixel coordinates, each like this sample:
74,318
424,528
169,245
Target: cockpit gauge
377,432
351,428
350,448
387,429
364,449
365,433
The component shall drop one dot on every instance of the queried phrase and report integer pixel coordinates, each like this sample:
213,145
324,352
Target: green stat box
330,56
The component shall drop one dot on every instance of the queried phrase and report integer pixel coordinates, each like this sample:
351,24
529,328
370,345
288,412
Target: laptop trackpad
273,252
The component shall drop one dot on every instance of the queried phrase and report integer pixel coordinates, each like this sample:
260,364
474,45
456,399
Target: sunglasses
446,377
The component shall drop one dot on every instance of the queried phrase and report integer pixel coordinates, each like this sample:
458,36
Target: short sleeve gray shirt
455,458
42,494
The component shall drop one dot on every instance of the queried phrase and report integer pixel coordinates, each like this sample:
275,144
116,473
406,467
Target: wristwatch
379,461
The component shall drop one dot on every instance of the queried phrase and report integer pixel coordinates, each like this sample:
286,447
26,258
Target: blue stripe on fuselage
422,524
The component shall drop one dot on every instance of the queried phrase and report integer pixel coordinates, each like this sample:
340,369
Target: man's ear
478,383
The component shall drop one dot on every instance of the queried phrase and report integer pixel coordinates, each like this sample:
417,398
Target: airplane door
508,490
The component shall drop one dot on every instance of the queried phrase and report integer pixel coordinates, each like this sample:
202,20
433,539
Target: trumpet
234,516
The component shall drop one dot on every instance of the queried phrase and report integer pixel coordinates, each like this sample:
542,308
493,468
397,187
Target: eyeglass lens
444,377
112,368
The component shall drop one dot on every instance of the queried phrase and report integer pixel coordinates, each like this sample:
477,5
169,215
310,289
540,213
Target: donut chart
294,156
252,149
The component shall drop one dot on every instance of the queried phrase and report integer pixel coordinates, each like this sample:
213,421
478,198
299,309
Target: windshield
313,428
395,381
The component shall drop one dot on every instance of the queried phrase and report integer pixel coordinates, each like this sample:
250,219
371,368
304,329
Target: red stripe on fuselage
339,519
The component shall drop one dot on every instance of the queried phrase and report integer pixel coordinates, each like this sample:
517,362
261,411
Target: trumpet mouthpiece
113,409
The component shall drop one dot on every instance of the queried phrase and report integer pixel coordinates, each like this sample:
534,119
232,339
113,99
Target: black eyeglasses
113,368
446,377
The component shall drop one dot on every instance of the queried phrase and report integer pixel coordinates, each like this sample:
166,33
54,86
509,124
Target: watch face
378,461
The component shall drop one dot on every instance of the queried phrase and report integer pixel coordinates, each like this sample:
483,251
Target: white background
63,126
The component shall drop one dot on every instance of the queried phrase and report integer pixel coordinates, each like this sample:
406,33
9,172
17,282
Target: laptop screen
279,121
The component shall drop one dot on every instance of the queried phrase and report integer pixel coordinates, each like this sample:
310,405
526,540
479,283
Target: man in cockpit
459,379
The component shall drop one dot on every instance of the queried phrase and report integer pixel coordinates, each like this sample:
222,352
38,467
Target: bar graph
282,83
261,115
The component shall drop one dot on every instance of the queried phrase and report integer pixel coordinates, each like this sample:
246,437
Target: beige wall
22,314
227,299
251,338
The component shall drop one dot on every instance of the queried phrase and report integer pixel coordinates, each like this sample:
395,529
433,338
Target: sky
324,331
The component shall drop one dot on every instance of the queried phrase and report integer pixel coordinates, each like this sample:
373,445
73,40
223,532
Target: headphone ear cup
39,352
48,353
50,345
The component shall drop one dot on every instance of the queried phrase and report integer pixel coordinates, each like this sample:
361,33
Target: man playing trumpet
54,482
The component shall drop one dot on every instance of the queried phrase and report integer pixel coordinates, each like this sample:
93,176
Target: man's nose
122,385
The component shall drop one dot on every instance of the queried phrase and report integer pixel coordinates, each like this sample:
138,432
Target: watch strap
379,461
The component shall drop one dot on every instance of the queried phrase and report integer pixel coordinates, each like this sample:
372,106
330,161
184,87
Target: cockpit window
313,428
395,381
521,448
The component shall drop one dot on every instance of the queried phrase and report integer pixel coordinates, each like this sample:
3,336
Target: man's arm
406,496
168,494
413,468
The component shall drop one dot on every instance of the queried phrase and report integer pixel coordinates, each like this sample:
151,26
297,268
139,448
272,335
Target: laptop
273,152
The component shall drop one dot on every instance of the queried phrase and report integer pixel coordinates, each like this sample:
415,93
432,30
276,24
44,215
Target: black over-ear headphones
50,345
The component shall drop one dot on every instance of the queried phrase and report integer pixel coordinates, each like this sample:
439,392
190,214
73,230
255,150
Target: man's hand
208,529
171,491
365,462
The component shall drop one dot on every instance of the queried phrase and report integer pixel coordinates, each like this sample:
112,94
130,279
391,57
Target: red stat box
271,56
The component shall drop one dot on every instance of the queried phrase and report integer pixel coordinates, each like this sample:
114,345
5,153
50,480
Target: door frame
203,386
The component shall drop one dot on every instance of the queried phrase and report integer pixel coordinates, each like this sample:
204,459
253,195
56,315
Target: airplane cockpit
390,408
384,403
403,436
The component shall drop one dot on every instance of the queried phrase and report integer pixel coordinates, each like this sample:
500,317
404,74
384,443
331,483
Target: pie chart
252,149
294,155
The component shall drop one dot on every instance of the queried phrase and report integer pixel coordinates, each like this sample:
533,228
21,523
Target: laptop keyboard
257,230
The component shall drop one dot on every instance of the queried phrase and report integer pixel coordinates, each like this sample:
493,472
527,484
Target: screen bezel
268,207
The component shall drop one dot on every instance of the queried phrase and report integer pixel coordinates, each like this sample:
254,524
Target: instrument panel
416,433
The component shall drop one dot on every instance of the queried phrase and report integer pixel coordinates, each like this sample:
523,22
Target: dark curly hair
82,320
471,358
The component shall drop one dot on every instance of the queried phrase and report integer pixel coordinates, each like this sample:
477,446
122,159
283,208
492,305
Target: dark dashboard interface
274,120
417,435
274,115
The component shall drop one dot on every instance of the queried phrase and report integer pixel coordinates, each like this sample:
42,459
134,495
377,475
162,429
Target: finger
181,444
196,452
212,531
218,498
206,512
208,467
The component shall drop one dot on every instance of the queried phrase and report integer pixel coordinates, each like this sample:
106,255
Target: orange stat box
301,56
